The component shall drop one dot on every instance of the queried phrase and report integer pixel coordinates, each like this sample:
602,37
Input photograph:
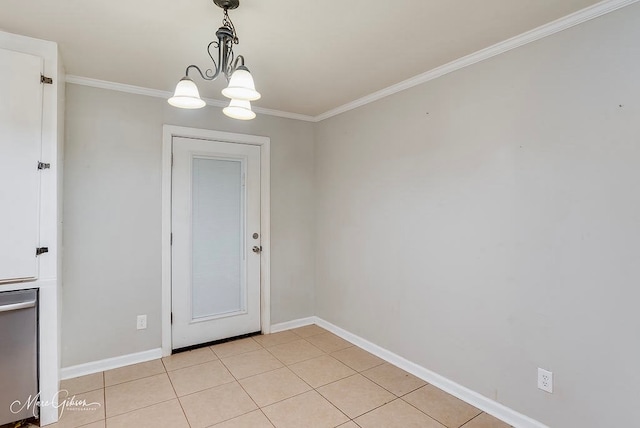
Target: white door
20,150
215,227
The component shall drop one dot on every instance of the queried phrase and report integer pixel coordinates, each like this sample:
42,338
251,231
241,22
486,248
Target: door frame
170,131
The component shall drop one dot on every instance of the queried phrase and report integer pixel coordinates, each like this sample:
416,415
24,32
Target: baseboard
110,363
275,328
141,357
483,403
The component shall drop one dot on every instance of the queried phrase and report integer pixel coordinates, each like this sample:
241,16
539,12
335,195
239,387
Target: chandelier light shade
186,95
241,88
239,109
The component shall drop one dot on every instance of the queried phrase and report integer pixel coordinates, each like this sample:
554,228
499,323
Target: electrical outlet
545,380
142,322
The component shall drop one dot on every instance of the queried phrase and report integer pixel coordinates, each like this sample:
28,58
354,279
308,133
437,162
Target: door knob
256,249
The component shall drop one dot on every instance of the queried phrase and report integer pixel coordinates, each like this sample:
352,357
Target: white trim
156,93
483,403
288,325
110,363
168,132
165,314
279,113
119,87
543,31
576,18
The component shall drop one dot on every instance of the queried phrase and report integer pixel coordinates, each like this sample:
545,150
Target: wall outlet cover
141,322
545,380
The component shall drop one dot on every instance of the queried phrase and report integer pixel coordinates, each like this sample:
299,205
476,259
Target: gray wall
486,223
112,197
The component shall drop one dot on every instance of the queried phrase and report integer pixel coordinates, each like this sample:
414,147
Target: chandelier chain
226,22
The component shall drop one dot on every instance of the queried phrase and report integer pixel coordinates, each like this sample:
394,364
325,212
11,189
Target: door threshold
215,342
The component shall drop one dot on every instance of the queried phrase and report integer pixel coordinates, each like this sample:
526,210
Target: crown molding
284,114
579,17
156,93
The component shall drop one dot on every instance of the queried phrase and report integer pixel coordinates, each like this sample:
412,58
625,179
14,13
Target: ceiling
306,56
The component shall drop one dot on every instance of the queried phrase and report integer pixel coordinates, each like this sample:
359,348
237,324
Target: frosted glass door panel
218,283
20,146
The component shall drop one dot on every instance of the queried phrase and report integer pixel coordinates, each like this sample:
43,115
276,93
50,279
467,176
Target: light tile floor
302,378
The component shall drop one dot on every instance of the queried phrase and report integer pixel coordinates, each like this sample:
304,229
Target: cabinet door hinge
42,165
171,239
46,80
171,159
42,250
171,317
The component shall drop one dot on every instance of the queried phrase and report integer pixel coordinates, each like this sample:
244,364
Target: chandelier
241,89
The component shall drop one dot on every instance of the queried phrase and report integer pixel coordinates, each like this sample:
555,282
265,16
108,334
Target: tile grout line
476,416
203,390
140,408
466,422
284,399
301,361
244,390
285,365
184,413
422,411
375,408
395,397
386,389
191,366
267,417
104,397
282,343
336,407
239,353
133,380
325,398
237,379
144,407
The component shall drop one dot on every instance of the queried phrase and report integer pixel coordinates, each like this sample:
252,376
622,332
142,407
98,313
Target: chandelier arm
216,65
205,75
239,59
208,74
192,66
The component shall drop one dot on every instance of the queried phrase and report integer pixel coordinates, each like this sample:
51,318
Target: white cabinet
20,150
31,130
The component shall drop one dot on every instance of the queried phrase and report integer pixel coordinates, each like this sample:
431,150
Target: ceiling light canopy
241,88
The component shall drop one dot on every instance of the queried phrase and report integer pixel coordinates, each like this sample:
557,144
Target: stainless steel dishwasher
18,355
